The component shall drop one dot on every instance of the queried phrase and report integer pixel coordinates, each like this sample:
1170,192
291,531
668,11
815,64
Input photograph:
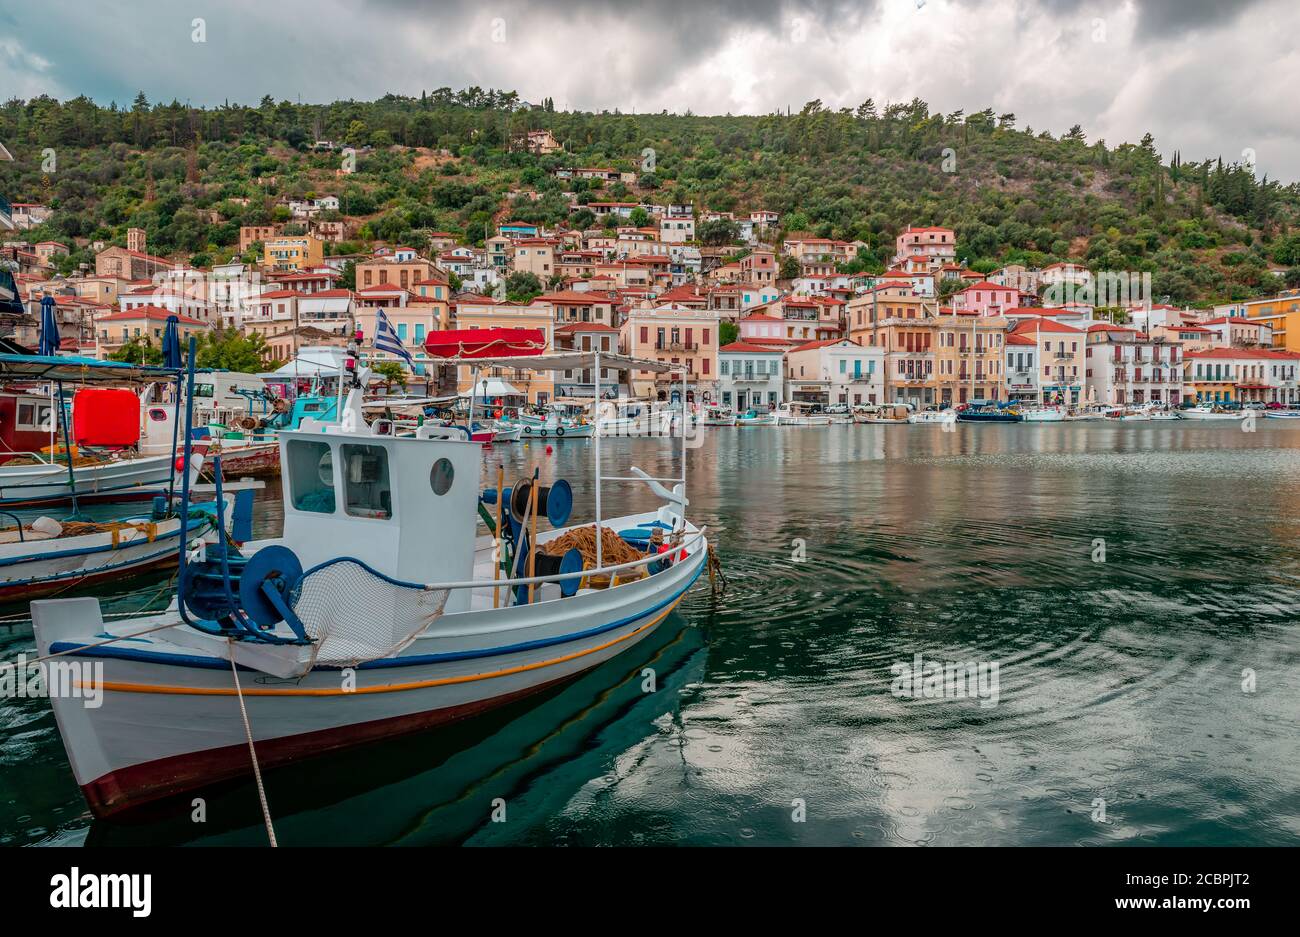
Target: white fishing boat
1210,412
796,413
555,426
381,610
933,417
105,464
632,416
506,432
1043,414
756,418
1282,414
885,413
1161,415
46,556
718,416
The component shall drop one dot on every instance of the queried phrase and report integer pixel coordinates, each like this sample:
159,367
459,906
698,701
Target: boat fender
559,431
542,433
528,431
47,525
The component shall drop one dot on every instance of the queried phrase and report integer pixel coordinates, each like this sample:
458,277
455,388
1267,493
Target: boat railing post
684,419
595,419
176,428
67,446
185,473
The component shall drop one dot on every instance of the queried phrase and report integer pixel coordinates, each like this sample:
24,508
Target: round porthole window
441,476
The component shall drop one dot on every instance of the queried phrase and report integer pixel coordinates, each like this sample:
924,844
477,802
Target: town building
750,375
676,334
835,371
1261,375
1125,366
292,252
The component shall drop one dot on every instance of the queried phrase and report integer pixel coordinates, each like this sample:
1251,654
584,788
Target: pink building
987,299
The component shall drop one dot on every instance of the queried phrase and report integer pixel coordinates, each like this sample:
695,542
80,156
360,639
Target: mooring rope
252,751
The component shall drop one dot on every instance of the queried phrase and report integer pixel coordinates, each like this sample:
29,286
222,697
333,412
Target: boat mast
595,431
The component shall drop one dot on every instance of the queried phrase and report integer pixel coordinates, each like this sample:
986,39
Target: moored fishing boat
1043,414
379,611
756,418
98,459
1282,414
506,432
797,413
989,413
718,416
885,413
1210,412
46,556
555,426
933,417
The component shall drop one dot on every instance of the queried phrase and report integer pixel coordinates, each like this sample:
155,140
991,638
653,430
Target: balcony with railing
677,346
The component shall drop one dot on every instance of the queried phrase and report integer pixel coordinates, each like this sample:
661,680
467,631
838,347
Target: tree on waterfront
232,350
137,350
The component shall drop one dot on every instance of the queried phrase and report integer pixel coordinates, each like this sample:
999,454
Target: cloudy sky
1207,77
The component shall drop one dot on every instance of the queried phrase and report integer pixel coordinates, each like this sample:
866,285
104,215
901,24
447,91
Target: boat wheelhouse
99,460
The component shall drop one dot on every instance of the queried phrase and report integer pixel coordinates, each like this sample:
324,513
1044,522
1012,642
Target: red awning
485,343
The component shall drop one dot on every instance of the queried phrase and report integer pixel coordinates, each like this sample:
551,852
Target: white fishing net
355,616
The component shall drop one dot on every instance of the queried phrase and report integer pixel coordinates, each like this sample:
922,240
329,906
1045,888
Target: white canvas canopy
493,387
314,361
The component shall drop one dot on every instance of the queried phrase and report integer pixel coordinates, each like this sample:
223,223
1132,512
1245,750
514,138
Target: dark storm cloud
1172,19
1119,68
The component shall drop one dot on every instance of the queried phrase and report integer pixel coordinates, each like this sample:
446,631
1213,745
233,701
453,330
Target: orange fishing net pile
613,548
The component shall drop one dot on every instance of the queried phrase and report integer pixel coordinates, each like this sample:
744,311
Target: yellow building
293,253
968,353
1282,312
537,386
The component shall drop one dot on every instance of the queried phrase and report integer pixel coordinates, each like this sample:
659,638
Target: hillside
1205,230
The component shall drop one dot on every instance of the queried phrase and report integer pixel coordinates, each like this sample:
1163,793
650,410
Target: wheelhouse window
35,415
311,476
367,489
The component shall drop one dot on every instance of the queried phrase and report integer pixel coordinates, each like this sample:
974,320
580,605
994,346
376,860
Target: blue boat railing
18,524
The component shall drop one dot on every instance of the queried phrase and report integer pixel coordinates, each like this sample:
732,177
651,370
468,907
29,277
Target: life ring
559,431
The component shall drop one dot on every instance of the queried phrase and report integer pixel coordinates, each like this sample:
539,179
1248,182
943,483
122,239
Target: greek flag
386,338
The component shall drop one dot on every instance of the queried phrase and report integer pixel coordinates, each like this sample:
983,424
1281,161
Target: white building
677,225
1123,366
749,376
836,371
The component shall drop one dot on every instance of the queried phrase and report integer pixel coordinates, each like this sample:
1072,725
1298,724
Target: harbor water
1129,594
